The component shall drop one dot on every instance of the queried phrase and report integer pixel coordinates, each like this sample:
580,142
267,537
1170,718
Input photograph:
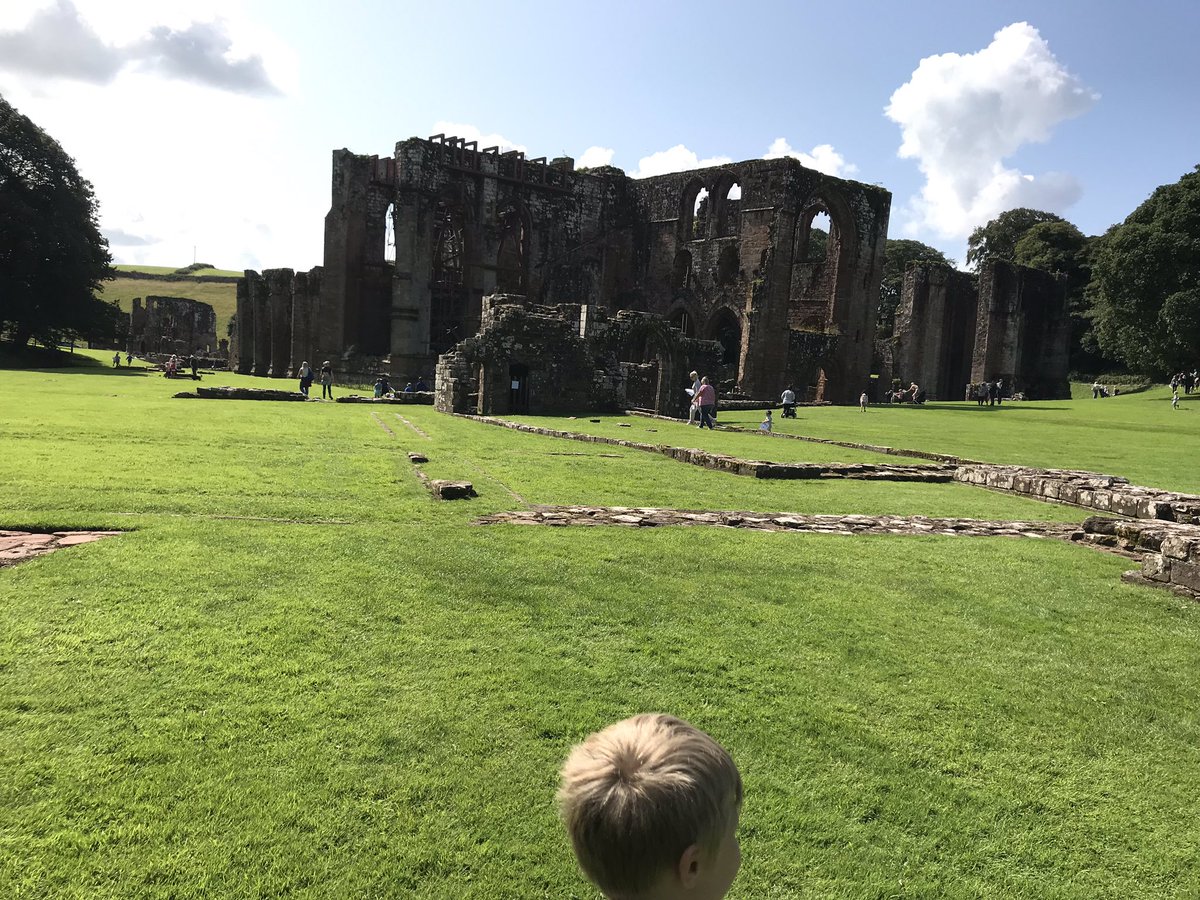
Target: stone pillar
279,292
244,331
256,287
410,283
305,298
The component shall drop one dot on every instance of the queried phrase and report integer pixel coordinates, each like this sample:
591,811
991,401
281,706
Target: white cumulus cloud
962,115
823,158
678,159
595,156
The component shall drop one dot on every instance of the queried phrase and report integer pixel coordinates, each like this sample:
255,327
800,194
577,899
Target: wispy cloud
961,116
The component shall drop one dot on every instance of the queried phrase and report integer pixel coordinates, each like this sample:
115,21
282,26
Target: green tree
52,255
999,237
1061,248
1145,286
897,256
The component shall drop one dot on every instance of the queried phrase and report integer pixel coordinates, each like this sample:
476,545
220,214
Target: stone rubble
760,521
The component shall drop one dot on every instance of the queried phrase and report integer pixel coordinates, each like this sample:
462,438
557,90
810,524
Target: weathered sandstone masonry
1105,493
647,517
555,359
1169,551
1014,326
415,242
166,325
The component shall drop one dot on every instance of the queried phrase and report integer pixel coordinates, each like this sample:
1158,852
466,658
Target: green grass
299,676
1137,436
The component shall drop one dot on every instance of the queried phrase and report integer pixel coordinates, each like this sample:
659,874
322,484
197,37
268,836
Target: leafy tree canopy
898,255
1146,282
999,237
52,255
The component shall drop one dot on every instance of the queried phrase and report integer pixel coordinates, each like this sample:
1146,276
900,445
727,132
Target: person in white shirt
788,400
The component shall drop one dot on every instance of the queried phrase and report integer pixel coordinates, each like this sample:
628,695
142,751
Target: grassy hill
221,296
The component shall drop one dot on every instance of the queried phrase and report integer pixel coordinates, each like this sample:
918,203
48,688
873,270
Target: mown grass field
298,676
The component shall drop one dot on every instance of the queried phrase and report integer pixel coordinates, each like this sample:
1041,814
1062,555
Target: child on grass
651,805
766,423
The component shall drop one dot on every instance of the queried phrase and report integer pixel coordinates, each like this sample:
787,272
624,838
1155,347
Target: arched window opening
512,258
730,219
681,272
727,265
389,234
693,211
681,320
700,215
727,330
815,236
446,283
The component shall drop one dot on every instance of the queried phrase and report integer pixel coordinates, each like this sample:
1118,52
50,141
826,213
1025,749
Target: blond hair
637,794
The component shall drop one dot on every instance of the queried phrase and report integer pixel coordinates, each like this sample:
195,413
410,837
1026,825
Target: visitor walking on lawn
706,399
326,381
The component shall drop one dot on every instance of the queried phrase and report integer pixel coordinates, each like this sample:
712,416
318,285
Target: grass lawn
299,676
1137,435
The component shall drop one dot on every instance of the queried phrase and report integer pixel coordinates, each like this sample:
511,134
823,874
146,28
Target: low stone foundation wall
421,398
1169,551
240,393
759,521
753,468
1105,493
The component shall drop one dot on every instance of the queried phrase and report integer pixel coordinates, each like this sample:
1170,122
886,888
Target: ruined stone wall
935,331
354,310
743,261
278,317
1022,332
173,325
551,360
471,221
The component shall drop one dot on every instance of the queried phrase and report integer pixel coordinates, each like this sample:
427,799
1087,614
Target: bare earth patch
18,546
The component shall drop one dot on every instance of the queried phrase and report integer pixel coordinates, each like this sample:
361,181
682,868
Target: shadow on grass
63,362
970,407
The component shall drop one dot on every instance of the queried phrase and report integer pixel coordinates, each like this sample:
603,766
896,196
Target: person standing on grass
692,392
706,400
862,401
326,381
1174,395
129,359
116,360
306,377
788,401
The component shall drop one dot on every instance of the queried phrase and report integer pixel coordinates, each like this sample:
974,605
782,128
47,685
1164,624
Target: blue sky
210,125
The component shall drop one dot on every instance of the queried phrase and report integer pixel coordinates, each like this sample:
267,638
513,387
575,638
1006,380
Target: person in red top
706,399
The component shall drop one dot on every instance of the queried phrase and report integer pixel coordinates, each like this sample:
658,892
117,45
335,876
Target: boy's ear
688,868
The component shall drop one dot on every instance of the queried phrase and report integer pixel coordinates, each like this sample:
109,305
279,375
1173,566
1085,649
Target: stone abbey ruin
529,286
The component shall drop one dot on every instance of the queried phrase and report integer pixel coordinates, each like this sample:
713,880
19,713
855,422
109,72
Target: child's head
651,804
